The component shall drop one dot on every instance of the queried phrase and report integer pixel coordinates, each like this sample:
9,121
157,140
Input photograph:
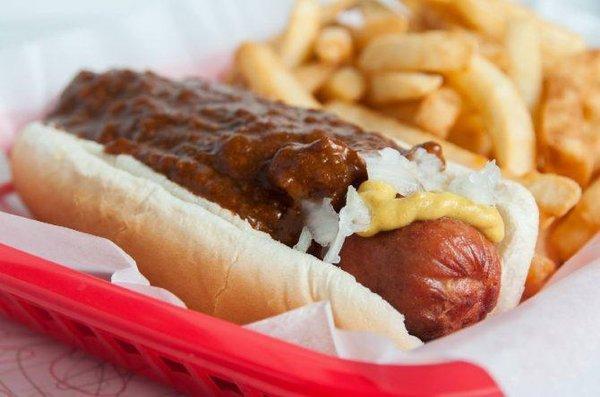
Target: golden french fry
490,18
485,16
470,132
265,74
377,27
504,112
401,111
540,271
346,84
374,9
301,31
566,144
556,43
438,112
373,121
331,10
494,52
435,51
334,45
432,15
579,225
524,59
555,195
312,76
389,87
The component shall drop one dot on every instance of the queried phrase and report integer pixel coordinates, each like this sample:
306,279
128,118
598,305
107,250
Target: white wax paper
546,346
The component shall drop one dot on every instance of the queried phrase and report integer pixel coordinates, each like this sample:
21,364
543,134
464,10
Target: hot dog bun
214,261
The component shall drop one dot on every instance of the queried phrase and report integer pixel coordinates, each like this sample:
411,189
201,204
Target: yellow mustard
389,212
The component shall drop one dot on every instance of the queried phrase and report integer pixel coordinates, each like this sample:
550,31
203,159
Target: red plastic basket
198,354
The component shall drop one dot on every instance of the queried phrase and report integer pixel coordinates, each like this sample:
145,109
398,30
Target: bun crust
207,256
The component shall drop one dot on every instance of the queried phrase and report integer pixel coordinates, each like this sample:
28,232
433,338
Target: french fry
331,10
540,270
435,51
494,52
389,87
524,59
408,136
490,17
432,15
579,225
485,16
469,132
375,9
312,76
555,195
301,31
265,74
404,112
505,114
565,145
556,41
377,27
438,112
346,84
334,45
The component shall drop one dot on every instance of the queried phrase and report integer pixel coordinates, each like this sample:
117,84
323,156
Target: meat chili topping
257,158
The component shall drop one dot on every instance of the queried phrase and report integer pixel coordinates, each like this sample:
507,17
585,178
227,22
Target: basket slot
173,372
175,366
19,312
127,347
226,387
64,332
4,308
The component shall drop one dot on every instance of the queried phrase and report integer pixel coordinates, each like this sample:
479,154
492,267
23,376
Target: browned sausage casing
442,275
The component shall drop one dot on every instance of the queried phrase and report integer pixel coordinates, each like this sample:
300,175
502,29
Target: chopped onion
354,217
321,220
479,186
304,241
388,165
424,173
407,177
429,170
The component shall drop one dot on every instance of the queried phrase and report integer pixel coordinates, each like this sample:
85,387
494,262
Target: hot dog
211,188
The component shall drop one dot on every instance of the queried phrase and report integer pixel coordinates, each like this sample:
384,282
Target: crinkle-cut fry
540,271
439,111
345,84
555,195
389,87
434,51
313,75
265,74
301,31
580,225
373,121
377,27
334,45
505,113
524,59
